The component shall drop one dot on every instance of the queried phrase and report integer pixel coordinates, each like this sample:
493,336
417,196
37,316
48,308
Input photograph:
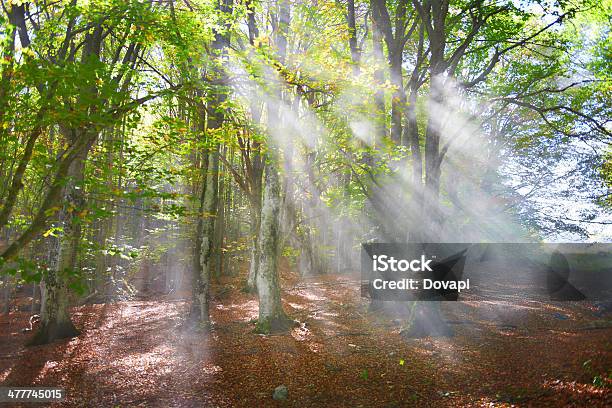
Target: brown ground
136,353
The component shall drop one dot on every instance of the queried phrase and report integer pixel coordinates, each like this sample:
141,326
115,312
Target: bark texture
271,314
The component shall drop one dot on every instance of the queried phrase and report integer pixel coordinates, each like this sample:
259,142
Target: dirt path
136,354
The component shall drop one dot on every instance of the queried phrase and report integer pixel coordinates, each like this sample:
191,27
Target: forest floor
137,353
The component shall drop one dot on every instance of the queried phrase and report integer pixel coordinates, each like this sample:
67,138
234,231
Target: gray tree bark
207,231
55,313
254,255
208,199
272,317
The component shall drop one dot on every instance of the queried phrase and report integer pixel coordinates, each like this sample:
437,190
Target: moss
276,324
263,326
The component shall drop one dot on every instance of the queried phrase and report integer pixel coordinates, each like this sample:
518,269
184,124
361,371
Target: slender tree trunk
431,201
355,54
8,56
427,319
379,76
256,174
228,228
255,203
394,37
209,197
254,255
220,230
412,138
197,267
398,99
208,215
6,295
437,66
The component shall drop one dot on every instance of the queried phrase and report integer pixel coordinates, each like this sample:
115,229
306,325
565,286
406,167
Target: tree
271,314
93,95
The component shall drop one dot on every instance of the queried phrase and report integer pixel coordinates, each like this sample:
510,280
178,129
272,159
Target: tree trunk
254,256
208,199
379,77
412,138
257,170
398,99
6,295
55,315
272,317
427,321
437,66
207,231
355,54
220,230
431,201
197,267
